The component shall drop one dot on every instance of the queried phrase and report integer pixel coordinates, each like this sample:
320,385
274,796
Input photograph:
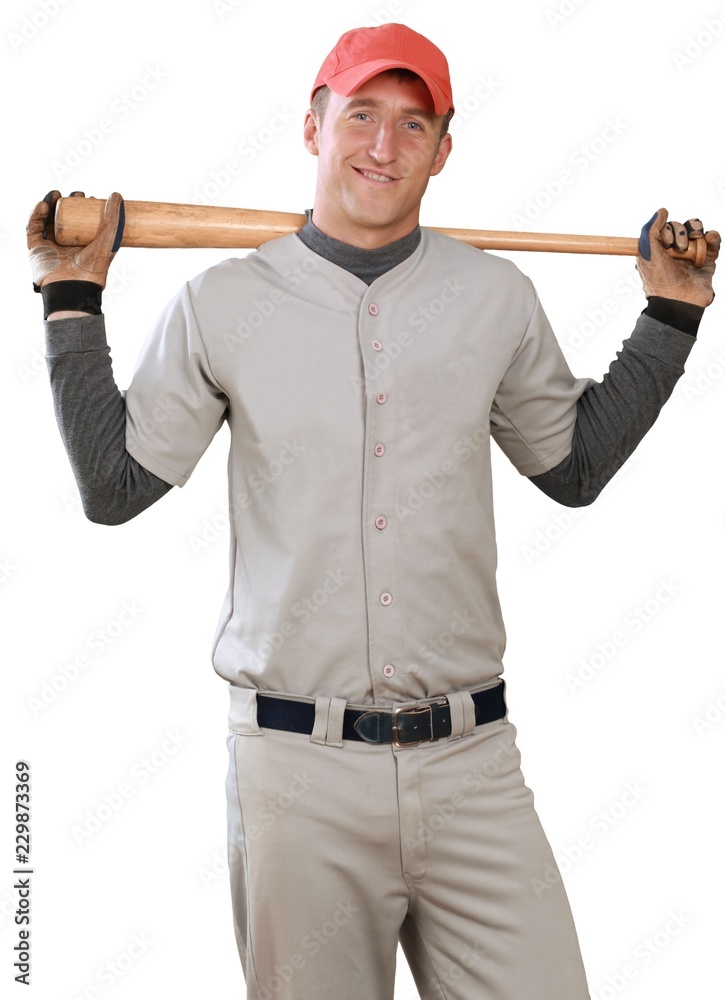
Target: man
363,365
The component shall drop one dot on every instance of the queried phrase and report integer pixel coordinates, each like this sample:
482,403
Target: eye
414,126
361,115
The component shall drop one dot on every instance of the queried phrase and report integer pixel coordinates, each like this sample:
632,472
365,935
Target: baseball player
363,367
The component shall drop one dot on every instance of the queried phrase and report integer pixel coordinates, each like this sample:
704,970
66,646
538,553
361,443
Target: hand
668,276
51,262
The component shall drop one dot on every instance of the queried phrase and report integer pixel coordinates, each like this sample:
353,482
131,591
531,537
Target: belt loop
322,711
329,717
243,711
463,714
335,721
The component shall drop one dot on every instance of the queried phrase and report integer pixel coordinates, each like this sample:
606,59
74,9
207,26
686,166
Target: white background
534,83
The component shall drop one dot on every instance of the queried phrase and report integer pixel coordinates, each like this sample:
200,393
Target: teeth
375,177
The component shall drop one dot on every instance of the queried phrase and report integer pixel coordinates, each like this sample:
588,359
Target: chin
376,217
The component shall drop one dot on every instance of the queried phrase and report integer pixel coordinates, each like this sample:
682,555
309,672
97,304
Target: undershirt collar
364,264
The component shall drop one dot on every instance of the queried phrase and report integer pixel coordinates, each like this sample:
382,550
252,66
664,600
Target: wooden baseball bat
167,224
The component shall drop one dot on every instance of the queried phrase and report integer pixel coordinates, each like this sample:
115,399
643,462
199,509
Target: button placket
379,544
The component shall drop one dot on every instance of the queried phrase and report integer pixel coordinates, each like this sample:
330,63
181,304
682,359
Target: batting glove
669,277
72,277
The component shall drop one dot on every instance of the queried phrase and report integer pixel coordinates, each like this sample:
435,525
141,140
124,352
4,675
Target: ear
311,132
444,150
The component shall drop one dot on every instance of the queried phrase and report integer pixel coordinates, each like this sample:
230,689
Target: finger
652,228
712,238
694,228
97,256
668,236
112,224
681,238
51,200
37,228
76,194
36,224
121,224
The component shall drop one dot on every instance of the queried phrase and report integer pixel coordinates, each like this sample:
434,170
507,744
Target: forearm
615,414
91,417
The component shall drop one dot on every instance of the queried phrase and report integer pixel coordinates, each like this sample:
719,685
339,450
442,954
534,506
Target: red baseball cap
362,53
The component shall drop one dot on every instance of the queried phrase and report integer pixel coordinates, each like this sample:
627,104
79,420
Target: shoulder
437,243
492,274
277,256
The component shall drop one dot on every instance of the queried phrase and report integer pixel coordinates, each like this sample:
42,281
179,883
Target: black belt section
404,727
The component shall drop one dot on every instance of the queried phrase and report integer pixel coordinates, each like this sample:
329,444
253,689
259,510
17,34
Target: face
377,150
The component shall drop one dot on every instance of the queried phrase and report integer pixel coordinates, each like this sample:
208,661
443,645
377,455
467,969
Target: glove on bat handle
171,225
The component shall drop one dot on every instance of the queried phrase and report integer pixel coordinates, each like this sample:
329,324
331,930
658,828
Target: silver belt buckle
420,710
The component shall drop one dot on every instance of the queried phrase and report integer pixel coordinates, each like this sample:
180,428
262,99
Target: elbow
573,482
570,491
109,516
101,517
120,507
578,497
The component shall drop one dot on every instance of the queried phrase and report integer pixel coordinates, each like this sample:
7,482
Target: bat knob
696,251
700,250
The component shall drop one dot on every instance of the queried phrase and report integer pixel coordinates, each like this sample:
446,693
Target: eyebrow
363,102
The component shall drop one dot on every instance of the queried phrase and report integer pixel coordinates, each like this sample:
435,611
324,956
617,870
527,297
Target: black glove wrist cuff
684,316
83,296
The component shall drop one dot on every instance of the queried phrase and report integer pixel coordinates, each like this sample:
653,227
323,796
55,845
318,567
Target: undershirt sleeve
615,414
91,415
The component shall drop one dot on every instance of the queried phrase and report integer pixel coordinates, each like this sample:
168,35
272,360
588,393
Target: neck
364,262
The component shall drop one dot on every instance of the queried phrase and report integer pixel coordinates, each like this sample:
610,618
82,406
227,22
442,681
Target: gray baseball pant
339,850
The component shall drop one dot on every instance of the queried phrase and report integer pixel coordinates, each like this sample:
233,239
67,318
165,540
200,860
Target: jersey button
379,450
377,346
382,397
386,598
388,669
373,309
381,522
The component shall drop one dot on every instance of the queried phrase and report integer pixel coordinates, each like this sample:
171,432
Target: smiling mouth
372,176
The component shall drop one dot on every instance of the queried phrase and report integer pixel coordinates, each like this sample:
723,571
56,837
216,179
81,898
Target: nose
383,145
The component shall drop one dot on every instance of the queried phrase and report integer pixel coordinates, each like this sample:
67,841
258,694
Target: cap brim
348,81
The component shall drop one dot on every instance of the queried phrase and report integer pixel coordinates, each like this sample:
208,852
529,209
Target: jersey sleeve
535,406
174,404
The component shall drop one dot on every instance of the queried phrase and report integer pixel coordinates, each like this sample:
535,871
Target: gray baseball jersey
359,468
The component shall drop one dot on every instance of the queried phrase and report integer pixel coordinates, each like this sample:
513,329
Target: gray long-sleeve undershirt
612,416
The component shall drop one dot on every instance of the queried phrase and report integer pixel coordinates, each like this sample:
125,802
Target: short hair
322,96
